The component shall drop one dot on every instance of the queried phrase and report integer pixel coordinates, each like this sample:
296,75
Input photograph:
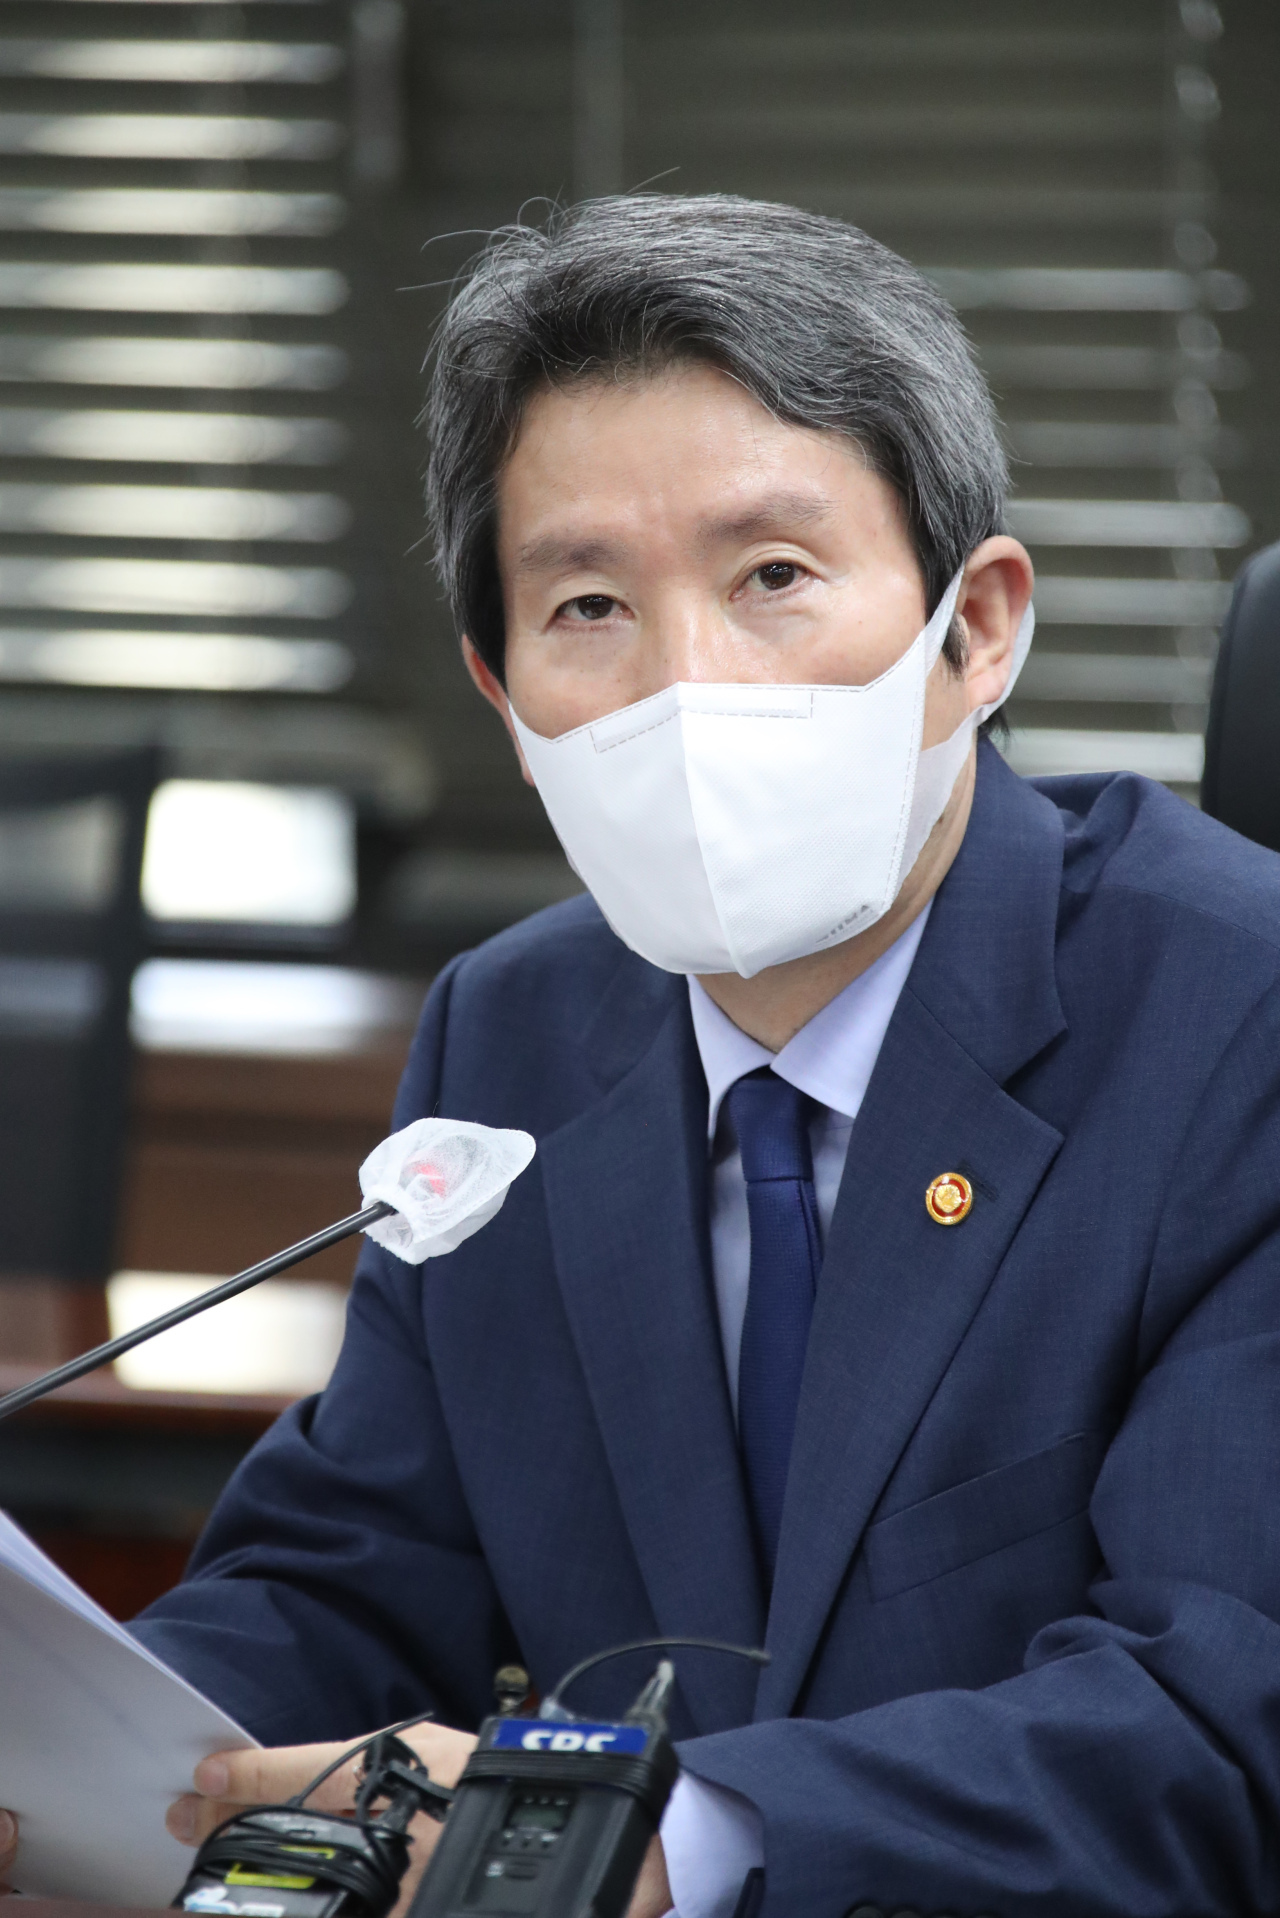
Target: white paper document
97,1738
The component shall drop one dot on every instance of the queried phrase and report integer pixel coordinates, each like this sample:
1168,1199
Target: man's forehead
598,465
772,511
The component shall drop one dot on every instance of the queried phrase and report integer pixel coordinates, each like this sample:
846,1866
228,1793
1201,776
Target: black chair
71,935
1241,784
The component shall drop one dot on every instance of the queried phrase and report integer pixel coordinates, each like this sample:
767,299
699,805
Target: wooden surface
233,1156
43,1321
100,1400
104,1510
124,1572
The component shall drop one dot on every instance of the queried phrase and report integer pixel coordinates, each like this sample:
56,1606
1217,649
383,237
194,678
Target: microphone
426,1189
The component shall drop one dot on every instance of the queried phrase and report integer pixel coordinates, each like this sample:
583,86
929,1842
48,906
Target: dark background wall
1095,186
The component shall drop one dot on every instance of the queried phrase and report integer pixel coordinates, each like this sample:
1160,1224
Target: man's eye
589,606
778,574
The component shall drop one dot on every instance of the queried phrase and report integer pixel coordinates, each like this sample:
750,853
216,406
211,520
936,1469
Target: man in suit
904,1294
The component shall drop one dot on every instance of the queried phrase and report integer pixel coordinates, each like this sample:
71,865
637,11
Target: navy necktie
770,1118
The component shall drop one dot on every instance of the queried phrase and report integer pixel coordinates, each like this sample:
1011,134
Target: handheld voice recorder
553,1815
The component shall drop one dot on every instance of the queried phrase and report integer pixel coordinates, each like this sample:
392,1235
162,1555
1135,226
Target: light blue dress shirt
712,1837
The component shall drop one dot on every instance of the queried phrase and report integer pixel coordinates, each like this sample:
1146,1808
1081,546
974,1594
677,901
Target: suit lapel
626,1197
896,1298
898,1292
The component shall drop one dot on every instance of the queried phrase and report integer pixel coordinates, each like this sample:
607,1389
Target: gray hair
825,327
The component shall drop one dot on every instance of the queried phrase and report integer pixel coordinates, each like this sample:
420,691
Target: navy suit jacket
1025,1628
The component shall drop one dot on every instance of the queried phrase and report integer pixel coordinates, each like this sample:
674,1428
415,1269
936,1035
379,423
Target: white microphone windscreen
446,1178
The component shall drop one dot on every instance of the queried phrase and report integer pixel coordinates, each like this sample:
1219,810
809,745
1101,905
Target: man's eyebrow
773,514
560,553
552,553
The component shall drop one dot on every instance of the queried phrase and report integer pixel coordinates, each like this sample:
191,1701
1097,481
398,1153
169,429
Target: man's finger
652,1895
228,1781
190,1819
8,1844
269,1777
424,1836
442,1750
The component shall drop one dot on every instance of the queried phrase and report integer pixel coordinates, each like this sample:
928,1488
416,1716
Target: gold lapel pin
949,1198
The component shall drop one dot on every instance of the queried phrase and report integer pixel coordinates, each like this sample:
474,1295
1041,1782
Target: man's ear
487,683
997,583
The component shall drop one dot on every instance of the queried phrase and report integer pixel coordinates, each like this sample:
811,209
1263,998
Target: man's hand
229,1781
652,1895
8,1847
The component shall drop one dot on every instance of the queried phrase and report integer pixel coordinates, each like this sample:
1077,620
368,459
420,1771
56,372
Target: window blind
1055,171
171,417
190,400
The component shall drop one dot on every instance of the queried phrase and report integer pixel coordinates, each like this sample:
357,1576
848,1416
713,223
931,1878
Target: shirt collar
833,1056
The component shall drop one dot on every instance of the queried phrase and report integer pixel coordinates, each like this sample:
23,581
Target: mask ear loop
1021,646
941,621
938,767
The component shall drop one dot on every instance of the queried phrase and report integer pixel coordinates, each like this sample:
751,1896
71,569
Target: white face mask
728,828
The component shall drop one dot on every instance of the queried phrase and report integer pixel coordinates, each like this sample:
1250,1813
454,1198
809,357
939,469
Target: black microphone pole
114,1348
